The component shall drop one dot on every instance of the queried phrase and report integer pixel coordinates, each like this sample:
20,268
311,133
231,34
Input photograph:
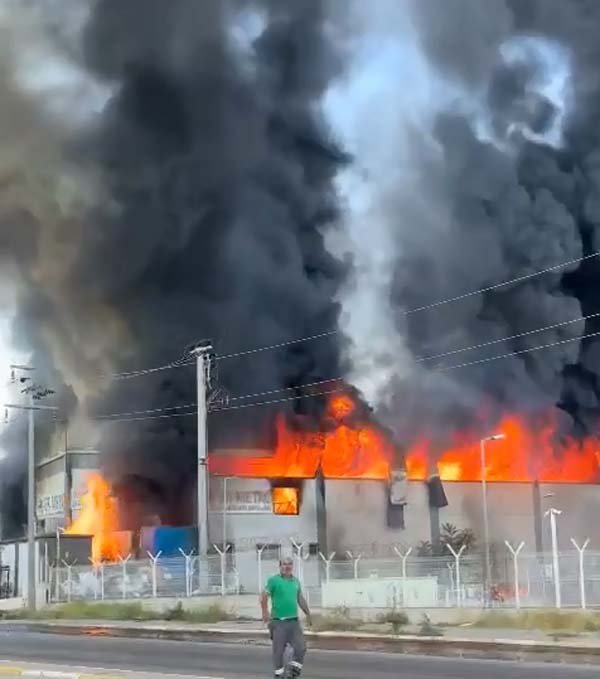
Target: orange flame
285,501
345,452
99,518
362,451
525,454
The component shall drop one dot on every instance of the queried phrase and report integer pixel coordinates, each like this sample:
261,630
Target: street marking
9,671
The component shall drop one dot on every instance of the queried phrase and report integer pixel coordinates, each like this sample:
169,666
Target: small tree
449,535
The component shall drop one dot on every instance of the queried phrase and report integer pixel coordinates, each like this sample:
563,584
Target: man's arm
304,607
264,605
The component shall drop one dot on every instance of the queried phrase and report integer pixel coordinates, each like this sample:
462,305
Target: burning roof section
347,447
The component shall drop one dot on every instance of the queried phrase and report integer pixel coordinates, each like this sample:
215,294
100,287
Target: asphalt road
234,661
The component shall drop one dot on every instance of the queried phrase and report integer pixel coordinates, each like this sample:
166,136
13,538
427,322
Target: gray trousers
284,632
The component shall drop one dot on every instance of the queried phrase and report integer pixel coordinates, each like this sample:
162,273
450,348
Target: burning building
439,253
346,487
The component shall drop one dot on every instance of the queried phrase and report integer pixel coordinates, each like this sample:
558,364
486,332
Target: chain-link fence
517,579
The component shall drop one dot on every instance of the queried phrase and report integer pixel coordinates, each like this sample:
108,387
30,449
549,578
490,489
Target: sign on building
245,496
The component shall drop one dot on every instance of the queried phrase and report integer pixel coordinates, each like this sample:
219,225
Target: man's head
286,566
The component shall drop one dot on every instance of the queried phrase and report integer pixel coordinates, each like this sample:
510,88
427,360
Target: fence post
327,563
223,555
69,567
124,574
580,551
404,556
95,572
515,555
154,560
57,591
102,580
299,547
355,562
259,553
457,556
189,569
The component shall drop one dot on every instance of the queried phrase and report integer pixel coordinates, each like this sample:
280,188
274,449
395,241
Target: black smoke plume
217,169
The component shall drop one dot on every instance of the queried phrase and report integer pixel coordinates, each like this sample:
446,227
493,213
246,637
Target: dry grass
547,621
82,610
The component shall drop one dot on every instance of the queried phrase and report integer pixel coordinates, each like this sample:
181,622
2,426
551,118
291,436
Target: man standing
286,596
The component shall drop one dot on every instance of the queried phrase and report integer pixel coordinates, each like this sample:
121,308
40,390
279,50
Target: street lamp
553,513
486,527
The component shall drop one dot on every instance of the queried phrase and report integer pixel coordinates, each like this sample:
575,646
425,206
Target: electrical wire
276,391
134,413
420,359
275,400
181,363
144,412
118,417
269,347
516,353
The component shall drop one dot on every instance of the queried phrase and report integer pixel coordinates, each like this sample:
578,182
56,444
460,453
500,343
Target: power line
144,412
181,363
123,417
246,352
276,391
133,414
151,411
275,400
118,418
149,371
421,359
497,286
517,352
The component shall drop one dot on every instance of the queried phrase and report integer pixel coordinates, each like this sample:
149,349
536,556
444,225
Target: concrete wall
247,528
580,518
356,516
510,510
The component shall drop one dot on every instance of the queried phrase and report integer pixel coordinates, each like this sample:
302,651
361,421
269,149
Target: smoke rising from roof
467,138
255,172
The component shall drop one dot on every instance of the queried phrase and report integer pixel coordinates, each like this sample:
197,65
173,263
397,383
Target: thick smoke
255,172
217,172
480,175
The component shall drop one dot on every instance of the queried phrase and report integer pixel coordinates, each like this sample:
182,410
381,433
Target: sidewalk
465,642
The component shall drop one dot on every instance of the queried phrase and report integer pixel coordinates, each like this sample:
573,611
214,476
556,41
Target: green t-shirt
284,596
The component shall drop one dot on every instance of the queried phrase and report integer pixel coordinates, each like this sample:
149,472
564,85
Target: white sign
49,492
50,506
247,496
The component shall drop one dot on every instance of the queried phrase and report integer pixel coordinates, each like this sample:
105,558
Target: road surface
234,661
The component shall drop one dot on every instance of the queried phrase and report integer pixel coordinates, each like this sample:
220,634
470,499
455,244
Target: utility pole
31,579
35,393
202,353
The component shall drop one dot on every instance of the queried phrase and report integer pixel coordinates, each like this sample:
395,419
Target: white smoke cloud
389,95
553,80
385,110
48,69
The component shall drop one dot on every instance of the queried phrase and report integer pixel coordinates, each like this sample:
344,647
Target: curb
492,649
10,671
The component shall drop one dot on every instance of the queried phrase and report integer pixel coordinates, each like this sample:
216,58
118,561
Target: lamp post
486,526
553,513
